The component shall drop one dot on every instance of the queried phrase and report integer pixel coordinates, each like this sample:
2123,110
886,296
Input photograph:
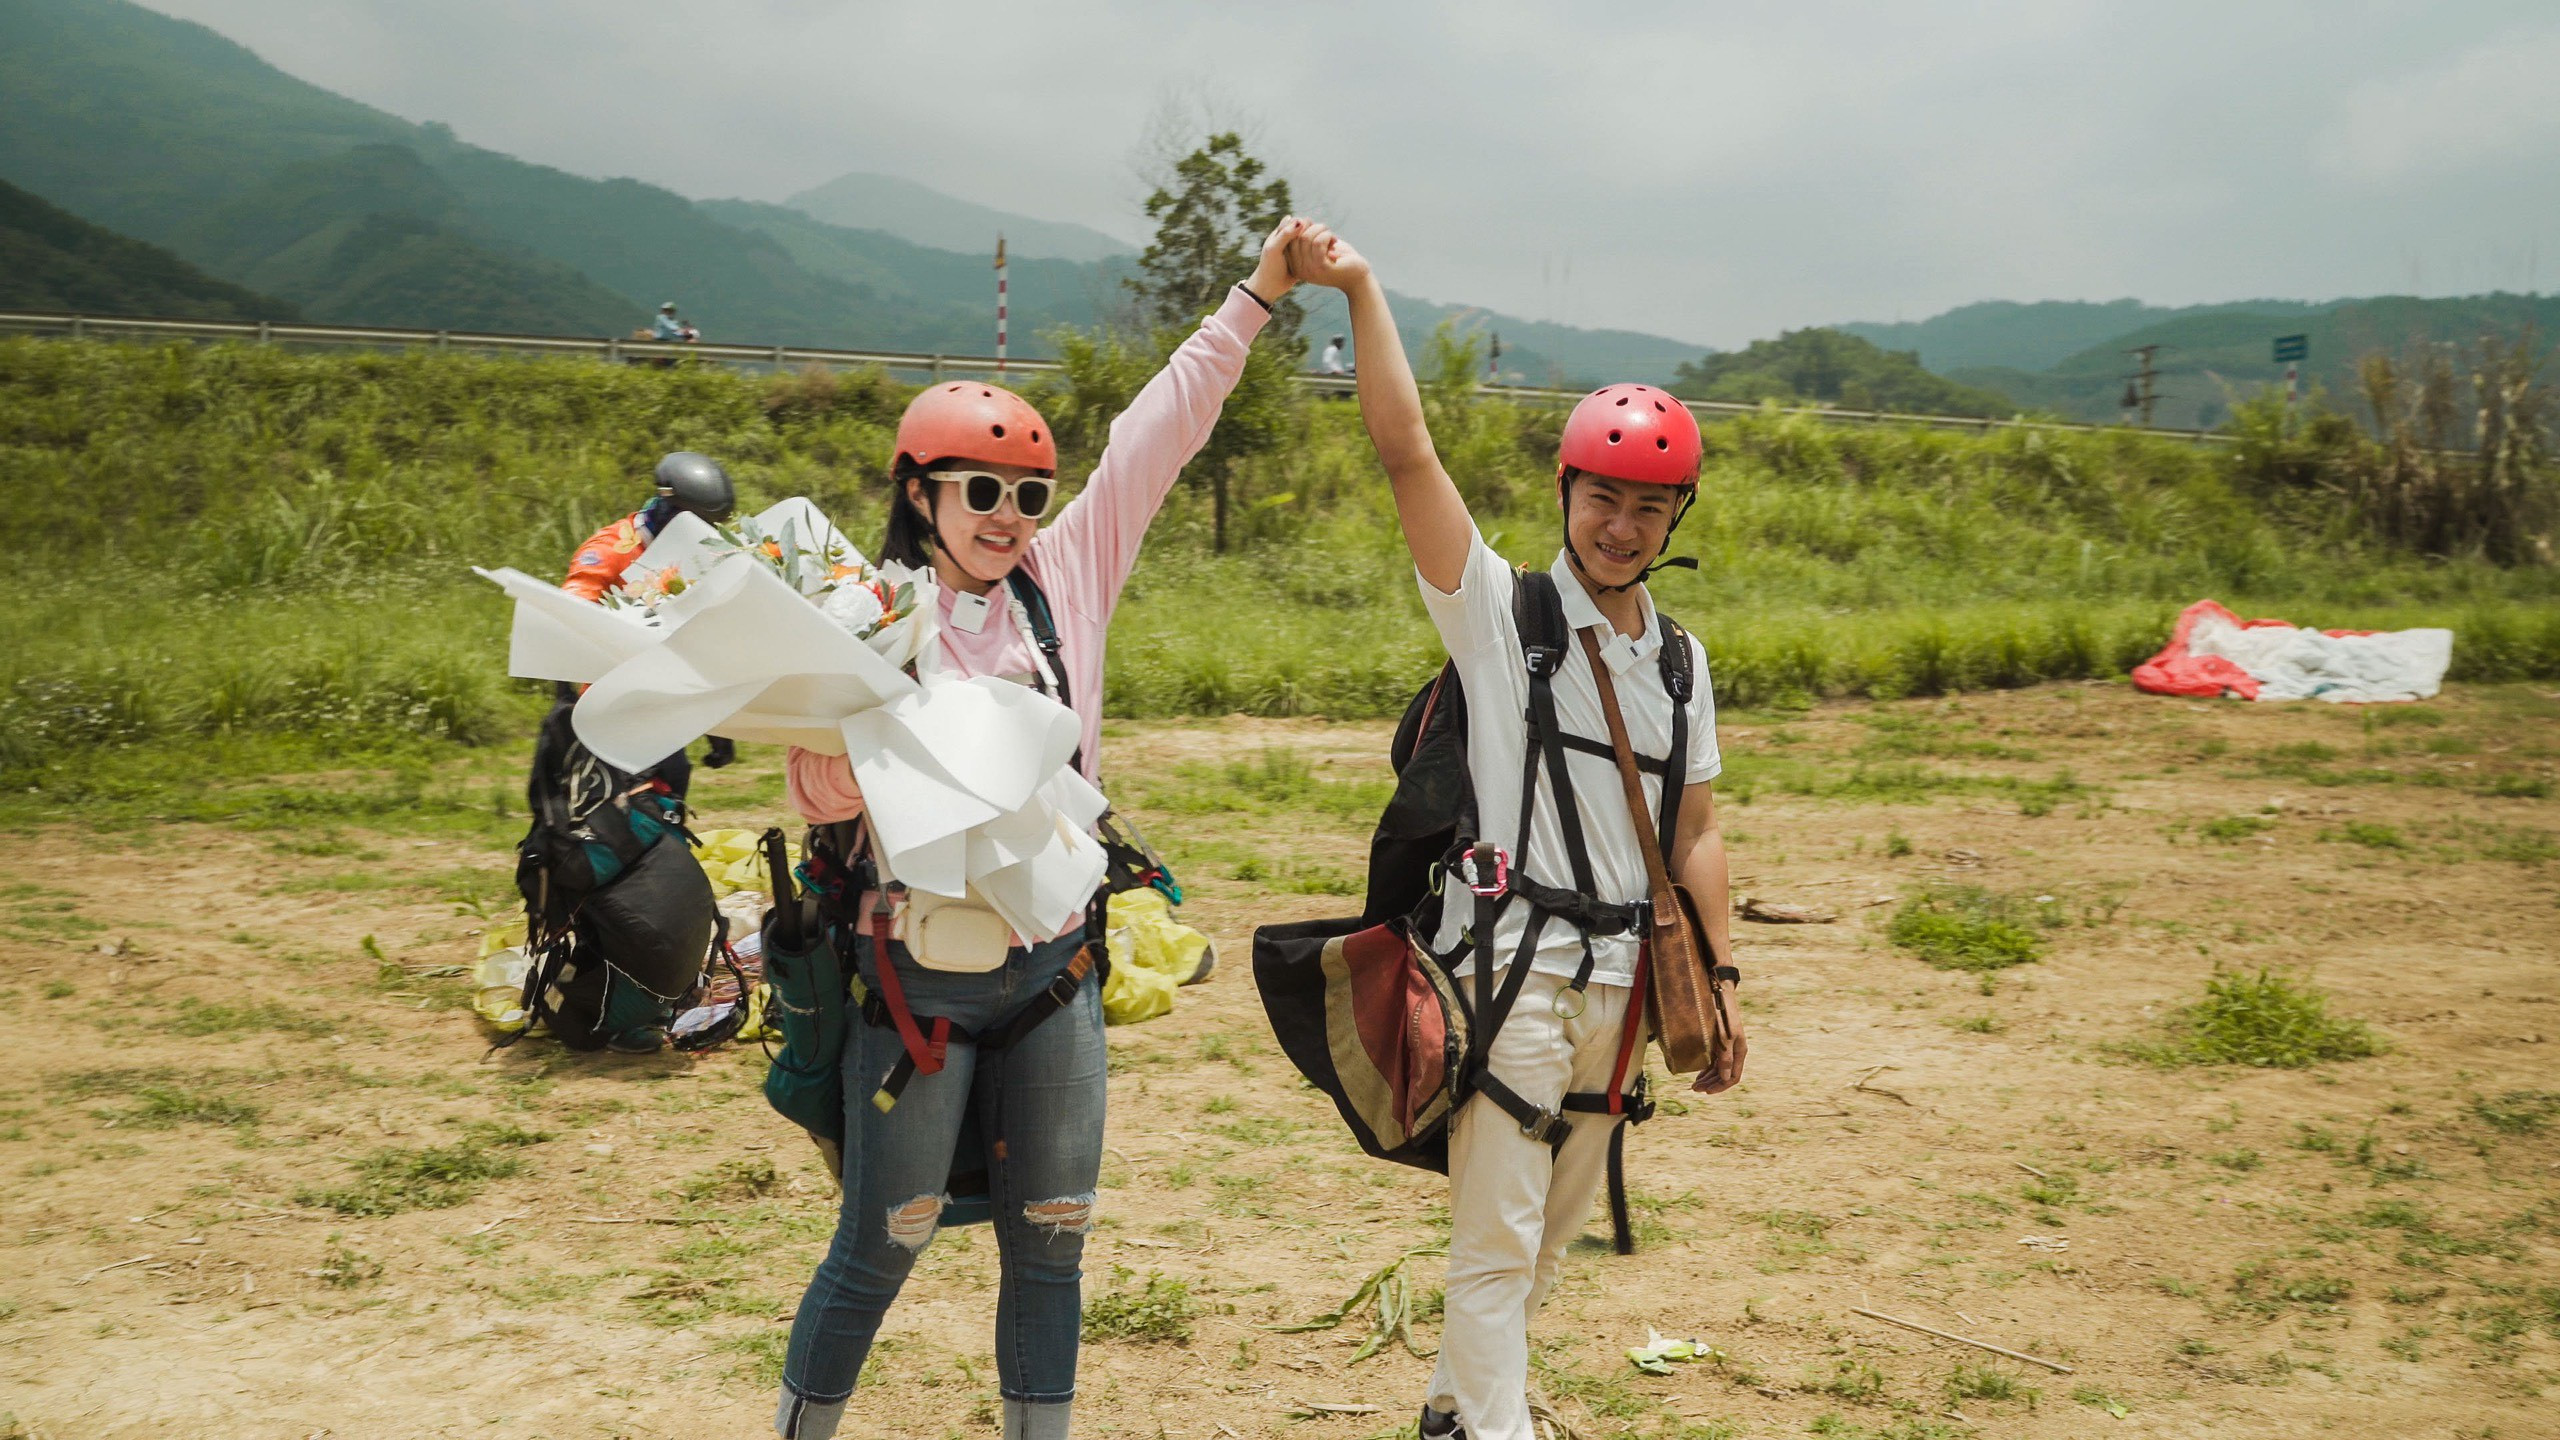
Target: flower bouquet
776,629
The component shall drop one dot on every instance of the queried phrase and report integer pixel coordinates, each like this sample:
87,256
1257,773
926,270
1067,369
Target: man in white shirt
1524,1164
1333,362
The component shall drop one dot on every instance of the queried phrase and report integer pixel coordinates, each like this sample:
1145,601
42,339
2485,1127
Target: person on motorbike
975,474
685,483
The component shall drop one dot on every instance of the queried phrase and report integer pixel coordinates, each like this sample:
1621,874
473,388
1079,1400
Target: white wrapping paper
968,783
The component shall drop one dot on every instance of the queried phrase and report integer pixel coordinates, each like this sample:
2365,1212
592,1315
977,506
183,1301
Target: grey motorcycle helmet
695,483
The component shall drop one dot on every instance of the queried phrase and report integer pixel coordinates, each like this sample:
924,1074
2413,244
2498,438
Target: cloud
2494,104
1711,171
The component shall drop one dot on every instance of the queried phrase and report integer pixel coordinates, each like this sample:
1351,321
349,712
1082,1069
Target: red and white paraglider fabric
2214,652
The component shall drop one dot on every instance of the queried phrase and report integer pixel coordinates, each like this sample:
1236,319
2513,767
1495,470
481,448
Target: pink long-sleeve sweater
1083,558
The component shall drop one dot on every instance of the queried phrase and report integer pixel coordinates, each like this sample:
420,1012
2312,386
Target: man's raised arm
1437,527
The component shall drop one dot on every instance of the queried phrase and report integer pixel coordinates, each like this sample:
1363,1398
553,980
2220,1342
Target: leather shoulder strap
1657,875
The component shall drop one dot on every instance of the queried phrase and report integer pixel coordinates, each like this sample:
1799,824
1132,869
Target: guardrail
785,357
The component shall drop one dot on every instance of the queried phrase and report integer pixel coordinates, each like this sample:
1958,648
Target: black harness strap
1004,1034
1538,612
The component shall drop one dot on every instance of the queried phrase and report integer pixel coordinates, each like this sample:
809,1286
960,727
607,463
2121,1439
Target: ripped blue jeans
1039,1104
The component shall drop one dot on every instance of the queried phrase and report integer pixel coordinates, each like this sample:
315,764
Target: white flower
854,607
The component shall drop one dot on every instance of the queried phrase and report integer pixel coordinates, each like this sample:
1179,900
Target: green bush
1965,927
2263,1019
1160,1308
245,541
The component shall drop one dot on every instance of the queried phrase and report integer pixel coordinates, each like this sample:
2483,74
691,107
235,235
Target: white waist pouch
955,935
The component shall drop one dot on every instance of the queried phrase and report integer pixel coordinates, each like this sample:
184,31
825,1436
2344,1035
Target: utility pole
2142,387
1000,304
1493,361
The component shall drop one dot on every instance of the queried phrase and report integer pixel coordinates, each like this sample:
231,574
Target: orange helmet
972,420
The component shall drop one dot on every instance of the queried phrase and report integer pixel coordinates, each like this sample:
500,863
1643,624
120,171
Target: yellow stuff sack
1152,954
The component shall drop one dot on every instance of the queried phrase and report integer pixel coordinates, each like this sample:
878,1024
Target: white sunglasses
983,492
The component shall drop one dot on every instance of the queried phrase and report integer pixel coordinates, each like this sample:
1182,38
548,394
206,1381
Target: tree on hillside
1833,368
1212,212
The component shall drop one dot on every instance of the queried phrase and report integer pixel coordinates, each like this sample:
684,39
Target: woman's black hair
910,538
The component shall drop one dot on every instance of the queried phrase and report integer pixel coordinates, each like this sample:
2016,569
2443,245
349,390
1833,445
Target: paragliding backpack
618,922
1378,1019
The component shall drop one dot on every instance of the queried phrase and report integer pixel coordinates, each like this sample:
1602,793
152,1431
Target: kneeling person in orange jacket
687,483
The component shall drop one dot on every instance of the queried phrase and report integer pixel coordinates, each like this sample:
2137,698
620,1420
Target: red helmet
1632,432
972,420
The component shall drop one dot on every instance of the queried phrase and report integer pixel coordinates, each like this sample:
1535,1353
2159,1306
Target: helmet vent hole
1623,399
1660,443
1035,437
1613,436
998,429
1658,405
990,394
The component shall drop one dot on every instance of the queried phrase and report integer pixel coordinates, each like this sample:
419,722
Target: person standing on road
685,483
1333,363
975,473
1628,470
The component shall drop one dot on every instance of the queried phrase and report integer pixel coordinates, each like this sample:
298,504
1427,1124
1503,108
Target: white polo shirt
1476,623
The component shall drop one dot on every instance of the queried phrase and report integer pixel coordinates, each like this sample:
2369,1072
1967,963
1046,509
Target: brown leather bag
1691,999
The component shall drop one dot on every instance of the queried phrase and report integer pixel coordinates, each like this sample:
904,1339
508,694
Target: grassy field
237,543
2204,1050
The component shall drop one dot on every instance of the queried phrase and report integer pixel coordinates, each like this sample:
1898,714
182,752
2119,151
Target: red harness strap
1630,1039
926,1053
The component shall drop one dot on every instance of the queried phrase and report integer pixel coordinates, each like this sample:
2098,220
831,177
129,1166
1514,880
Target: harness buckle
1547,1127
1541,659
1471,870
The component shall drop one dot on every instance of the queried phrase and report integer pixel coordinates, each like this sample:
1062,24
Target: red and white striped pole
1000,304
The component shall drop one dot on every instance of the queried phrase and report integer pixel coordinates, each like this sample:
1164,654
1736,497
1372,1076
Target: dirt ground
259,1178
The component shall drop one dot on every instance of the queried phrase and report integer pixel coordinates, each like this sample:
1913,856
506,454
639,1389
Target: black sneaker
1441,1425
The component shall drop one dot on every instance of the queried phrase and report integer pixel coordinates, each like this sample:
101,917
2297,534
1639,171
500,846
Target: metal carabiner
1470,875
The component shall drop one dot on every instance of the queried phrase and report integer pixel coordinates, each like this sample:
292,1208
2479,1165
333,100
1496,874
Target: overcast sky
1715,172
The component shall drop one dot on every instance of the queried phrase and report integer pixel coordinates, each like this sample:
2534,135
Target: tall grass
233,540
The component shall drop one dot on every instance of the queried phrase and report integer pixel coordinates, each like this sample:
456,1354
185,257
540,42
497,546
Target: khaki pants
1514,1205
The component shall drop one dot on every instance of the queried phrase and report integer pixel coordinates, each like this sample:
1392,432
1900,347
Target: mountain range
359,216
306,199
51,259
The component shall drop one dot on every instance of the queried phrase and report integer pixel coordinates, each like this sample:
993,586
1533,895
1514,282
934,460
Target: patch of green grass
343,1267
2097,1399
2242,1160
1158,1309
1896,844
2517,1112
2263,1019
198,1017
2370,834
1965,927
1276,779
2517,787
166,1105
398,1179
2264,1285
2232,829
1983,1024
1298,878
1990,1382
732,1180
762,1352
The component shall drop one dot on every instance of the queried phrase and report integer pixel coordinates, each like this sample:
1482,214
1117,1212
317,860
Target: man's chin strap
1677,562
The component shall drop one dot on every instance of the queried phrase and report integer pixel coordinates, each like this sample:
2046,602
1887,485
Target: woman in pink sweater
975,474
